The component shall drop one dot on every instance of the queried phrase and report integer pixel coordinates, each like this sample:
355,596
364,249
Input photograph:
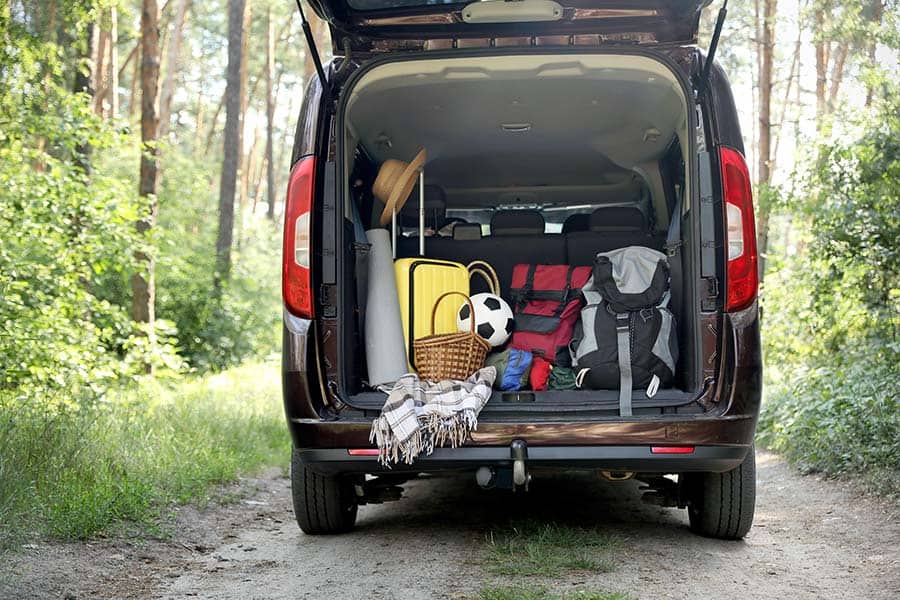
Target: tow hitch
505,478
518,452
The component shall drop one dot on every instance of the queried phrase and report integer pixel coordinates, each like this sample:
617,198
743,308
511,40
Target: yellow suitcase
420,281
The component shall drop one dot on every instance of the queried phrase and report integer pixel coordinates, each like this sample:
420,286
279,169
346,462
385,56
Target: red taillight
742,278
363,451
296,281
671,449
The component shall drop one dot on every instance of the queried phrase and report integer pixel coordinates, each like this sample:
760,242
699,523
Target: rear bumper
607,458
705,430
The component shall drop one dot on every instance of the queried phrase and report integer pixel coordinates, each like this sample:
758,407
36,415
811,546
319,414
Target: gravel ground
811,539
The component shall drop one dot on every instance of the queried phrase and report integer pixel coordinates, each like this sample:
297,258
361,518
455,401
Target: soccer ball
493,318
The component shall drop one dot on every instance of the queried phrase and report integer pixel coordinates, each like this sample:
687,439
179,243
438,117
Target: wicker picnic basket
450,355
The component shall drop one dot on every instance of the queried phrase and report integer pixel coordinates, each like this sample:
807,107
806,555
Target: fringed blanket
420,415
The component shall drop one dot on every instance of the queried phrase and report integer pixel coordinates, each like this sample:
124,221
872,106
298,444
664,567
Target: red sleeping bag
546,300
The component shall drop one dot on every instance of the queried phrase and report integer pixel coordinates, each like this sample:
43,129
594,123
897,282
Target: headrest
467,231
618,218
577,222
517,222
435,207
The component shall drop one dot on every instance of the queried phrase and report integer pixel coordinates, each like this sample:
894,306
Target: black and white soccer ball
493,318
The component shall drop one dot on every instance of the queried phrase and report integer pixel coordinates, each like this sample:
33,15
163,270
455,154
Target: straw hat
395,182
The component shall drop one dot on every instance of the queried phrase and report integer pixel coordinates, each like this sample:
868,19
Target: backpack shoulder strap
623,339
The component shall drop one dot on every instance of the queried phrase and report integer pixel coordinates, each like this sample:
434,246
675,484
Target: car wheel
720,505
323,504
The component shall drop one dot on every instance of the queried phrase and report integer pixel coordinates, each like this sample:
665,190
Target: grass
549,550
541,593
74,472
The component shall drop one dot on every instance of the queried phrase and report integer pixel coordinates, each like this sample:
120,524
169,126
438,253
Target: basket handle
486,271
454,293
484,275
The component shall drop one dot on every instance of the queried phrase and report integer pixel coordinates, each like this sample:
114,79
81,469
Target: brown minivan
586,124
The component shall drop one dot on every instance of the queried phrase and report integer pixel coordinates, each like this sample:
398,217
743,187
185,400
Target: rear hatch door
393,25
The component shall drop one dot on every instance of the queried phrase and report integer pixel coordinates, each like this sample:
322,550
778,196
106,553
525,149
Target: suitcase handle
487,272
469,302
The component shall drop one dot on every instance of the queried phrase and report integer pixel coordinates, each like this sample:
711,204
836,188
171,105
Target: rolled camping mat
385,346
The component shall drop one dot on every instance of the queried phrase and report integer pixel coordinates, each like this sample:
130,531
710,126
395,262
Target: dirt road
811,539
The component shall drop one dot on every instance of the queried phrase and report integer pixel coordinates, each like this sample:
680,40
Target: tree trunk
113,62
131,56
242,159
756,69
766,82
198,123
84,83
837,75
821,65
270,115
795,64
134,101
84,74
250,163
249,167
215,121
100,66
876,18
51,33
142,283
285,143
172,67
232,149
260,180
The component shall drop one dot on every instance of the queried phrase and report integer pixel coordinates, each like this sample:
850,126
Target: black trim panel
607,458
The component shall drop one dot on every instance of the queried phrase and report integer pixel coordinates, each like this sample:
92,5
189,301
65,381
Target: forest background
144,150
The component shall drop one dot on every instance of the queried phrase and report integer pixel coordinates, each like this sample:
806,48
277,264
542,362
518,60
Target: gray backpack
626,335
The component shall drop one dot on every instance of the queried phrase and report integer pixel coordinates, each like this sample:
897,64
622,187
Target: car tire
323,504
721,505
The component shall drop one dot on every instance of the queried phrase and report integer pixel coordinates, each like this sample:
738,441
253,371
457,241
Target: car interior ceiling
517,144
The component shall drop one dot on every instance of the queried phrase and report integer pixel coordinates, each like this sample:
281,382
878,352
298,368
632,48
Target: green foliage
68,207
209,331
61,232
840,420
86,440
832,313
80,471
547,549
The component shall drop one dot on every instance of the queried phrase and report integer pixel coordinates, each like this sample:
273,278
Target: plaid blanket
419,415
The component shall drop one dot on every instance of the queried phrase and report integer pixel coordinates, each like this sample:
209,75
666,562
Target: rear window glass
554,217
385,4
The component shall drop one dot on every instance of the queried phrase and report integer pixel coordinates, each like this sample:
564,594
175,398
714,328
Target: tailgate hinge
708,304
328,300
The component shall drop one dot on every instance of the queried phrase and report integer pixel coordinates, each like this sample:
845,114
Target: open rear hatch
391,25
525,133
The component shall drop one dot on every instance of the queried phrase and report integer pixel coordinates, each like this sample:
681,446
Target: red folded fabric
540,373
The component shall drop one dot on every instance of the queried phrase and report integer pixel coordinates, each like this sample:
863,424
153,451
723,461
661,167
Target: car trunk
572,136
